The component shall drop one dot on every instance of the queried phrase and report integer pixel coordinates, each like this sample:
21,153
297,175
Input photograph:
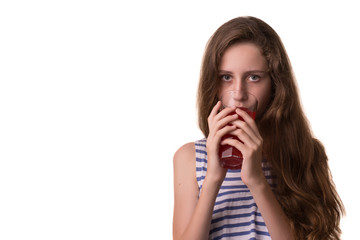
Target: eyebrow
247,72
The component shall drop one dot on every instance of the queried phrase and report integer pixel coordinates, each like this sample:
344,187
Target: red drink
231,157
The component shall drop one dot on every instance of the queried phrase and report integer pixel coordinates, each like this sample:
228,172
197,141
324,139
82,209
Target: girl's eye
226,78
254,78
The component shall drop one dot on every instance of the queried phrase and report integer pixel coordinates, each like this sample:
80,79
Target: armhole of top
200,161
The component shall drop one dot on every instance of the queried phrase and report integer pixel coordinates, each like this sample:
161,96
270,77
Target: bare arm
192,215
275,219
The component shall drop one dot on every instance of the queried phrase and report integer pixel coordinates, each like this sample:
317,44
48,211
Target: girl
284,189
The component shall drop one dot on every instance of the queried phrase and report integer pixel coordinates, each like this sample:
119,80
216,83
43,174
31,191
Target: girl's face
244,68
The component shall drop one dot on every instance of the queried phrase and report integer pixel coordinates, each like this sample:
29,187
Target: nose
240,96
240,93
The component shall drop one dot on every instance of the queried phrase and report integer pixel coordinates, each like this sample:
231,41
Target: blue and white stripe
235,215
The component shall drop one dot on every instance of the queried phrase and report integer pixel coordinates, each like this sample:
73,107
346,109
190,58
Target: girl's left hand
250,147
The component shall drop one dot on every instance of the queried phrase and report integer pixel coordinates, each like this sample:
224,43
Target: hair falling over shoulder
304,185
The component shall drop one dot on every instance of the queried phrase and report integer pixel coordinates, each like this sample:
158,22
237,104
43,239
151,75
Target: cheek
264,98
263,103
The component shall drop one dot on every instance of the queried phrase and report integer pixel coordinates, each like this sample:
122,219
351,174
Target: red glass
231,157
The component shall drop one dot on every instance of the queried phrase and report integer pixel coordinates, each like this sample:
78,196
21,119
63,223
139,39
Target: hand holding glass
231,157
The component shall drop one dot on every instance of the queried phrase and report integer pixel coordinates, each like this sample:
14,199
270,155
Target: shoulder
185,163
185,154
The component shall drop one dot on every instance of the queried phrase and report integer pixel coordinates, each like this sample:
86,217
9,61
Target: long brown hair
304,185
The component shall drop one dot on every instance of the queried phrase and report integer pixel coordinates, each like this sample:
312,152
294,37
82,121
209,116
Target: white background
96,96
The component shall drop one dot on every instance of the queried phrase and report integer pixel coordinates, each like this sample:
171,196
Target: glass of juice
231,157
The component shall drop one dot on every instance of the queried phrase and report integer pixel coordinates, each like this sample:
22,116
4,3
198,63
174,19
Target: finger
223,131
224,112
248,119
246,116
216,121
225,121
234,143
215,110
245,138
248,130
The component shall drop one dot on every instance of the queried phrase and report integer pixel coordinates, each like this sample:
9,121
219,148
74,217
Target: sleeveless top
235,214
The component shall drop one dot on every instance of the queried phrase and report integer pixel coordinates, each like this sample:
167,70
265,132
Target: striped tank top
235,214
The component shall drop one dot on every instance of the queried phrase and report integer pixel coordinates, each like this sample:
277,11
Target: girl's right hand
219,125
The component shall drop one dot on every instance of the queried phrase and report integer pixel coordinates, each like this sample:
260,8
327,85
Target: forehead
243,56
